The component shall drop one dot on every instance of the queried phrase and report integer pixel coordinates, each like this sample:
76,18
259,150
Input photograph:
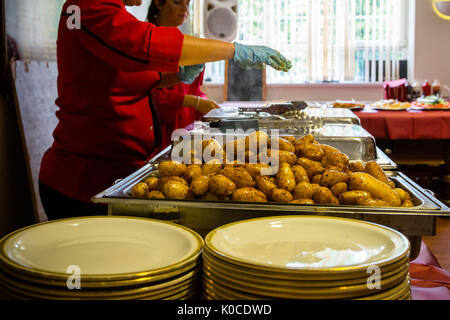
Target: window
327,40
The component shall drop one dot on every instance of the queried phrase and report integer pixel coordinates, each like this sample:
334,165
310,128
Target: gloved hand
188,74
254,57
204,105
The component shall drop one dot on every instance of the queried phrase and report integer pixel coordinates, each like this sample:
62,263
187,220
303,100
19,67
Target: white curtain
329,40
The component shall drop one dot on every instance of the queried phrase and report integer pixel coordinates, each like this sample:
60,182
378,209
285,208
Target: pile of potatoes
308,173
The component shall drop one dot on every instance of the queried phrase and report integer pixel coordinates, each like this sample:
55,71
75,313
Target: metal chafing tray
204,216
235,111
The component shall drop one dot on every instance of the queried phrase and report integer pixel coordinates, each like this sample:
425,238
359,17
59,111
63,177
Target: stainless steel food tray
204,216
353,140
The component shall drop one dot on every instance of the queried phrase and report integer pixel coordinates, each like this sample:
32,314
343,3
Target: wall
430,49
432,44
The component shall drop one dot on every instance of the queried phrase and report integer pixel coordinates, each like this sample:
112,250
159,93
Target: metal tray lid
237,111
334,115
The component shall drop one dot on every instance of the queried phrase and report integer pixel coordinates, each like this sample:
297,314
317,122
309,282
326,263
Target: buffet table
406,124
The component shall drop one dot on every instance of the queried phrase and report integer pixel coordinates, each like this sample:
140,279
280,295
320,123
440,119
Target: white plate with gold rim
107,247
318,279
307,244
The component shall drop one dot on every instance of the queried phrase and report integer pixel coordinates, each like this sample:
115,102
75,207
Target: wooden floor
439,244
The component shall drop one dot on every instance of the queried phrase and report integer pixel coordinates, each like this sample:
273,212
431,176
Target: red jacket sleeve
167,102
198,84
114,35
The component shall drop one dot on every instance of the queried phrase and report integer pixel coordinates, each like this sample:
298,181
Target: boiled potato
172,168
408,203
251,157
152,183
334,158
300,174
211,168
331,177
280,195
266,185
285,177
195,157
209,196
391,183
357,166
249,195
315,186
175,190
309,138
239,176
140,190
308,163
339,188
376,171
155,194
317,179
376,188
303,190
255,169
339,167
353,197
221,185
283,156
282,144
211,149
200,185
192,171
314,170
326,149
257,141
310,151
163,180
403,195
291,139
323,195
302,201
286,156
370,202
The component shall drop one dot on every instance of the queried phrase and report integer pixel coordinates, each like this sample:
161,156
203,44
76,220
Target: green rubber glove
254,57
188,74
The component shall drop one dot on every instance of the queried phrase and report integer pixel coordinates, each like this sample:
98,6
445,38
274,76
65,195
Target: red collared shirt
169,105
107,70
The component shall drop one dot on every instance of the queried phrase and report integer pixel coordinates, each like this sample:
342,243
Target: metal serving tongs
274,108
297,122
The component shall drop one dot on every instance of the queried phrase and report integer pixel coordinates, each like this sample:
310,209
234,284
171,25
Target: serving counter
204,216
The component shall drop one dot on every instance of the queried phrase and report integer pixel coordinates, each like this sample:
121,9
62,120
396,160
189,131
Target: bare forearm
190,101
197,51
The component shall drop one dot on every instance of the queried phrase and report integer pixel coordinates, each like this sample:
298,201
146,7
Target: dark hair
153,11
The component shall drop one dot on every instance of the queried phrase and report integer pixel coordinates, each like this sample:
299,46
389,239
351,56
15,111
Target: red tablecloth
428,280
406,124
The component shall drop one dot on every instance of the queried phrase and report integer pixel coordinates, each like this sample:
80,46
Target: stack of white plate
101,258
305,257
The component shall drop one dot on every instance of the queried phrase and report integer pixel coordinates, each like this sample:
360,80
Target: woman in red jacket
182,99
107,66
